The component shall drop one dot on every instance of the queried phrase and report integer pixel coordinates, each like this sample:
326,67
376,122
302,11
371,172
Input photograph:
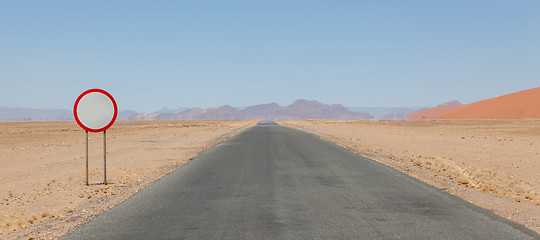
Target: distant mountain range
387,112
30,114
519,105
300,109
436,112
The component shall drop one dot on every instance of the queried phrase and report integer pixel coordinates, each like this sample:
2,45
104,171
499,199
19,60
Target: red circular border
77,103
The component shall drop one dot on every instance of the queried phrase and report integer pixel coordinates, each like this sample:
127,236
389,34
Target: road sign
95,110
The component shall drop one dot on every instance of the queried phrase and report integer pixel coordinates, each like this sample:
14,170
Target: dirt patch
494,164
42,178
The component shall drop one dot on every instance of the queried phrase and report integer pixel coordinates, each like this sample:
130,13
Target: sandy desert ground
495,164
42,178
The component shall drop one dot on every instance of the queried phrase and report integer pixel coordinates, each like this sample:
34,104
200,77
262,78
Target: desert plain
494,164
43,192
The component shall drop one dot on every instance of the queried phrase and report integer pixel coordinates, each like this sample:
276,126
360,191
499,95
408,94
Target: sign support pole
86,158
105,157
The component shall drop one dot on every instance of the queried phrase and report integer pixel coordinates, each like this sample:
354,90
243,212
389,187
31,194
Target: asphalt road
274,182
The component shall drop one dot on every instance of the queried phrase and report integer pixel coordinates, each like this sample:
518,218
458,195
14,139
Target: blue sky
155,54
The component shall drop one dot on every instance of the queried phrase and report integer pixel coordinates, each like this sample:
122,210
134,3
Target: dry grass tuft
483,180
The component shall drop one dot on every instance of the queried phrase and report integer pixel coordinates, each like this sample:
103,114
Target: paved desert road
274,182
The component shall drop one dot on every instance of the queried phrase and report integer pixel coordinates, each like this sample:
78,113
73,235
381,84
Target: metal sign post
86,158
105,157
95,111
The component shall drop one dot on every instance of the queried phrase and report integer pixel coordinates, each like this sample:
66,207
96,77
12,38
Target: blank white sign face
95,110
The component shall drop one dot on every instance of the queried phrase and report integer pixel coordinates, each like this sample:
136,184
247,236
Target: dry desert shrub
484,180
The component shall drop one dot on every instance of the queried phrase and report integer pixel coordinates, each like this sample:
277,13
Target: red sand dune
436,112
519,105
